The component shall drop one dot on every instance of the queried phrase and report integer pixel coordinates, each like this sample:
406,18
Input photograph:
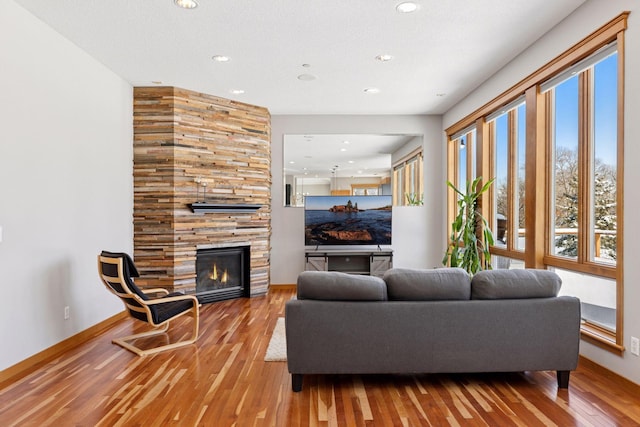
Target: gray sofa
431,321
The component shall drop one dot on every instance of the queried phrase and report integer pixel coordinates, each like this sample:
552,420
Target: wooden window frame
453,166
397,196
537,185
400,171
511,249
583,262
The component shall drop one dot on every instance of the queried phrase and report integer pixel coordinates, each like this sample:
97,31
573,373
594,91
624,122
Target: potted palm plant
471,236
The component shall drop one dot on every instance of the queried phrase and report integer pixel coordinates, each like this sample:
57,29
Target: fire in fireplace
222,273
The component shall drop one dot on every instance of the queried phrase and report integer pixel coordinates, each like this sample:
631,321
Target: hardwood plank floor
222,380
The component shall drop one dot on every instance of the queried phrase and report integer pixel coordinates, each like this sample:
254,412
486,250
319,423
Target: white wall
417,242
406,149
590,16
65,184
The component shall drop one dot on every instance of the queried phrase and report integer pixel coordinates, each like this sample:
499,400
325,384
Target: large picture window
554,143
583,121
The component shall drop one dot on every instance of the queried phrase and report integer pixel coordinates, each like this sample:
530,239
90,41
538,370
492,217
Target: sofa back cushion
515,284
406,284
336,286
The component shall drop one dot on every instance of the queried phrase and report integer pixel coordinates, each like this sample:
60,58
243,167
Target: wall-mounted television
347,220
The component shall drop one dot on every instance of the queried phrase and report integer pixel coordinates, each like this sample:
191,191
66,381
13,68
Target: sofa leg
296,382
563,379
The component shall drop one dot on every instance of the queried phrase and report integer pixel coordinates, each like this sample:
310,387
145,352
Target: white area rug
277,349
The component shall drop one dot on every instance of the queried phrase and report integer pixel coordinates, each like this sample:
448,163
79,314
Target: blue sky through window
605,107
606,112
566,105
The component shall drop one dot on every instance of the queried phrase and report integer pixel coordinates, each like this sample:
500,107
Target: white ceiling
319,158
440,53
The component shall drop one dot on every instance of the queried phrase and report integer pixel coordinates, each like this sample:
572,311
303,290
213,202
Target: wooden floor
223,381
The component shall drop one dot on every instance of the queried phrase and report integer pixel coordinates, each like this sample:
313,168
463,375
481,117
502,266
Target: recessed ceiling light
306,77
346,142
186,4
237,91
372,90
384,57
220,58
343,149
407,7
351,162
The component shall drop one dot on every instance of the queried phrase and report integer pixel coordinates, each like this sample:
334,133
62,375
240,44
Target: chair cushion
406,284
337,286
165,311
129,268
515,284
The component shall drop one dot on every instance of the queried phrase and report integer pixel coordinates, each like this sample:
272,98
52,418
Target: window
467,146
398,187
555,156
602,230
462,153
507,131
463,149
564,169
365,189
582,123
462,143
407,180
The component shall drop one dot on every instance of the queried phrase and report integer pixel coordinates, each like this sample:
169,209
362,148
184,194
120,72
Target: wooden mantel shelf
198,207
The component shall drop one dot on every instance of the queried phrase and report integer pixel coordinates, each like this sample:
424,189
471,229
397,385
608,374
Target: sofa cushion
406,284
515,284
337,286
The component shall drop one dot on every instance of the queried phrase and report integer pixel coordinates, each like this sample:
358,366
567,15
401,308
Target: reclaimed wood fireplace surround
180,137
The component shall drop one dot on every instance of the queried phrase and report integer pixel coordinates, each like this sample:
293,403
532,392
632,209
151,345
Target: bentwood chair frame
115,271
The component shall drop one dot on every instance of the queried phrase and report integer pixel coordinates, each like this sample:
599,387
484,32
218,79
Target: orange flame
213,274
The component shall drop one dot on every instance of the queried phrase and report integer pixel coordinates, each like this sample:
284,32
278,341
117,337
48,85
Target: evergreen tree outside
605,215
566,204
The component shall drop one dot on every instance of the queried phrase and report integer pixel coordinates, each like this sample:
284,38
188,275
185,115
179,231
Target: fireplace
222,273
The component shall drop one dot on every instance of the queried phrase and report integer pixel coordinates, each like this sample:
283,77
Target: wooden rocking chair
116,271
